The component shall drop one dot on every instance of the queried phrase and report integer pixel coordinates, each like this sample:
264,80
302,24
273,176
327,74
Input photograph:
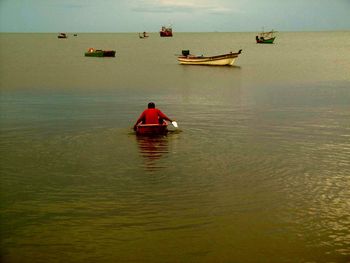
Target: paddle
174,123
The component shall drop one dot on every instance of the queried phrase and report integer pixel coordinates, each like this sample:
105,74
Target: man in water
152,115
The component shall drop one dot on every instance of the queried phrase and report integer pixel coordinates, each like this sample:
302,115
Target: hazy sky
184,15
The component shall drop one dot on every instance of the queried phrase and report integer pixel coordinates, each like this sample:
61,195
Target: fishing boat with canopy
166,31
266,37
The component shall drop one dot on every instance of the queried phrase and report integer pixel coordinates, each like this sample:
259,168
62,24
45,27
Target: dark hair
151,105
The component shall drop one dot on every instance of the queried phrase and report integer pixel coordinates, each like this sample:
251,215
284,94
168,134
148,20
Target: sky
183,15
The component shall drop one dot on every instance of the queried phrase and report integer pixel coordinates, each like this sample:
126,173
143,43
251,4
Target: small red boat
166,32
152,129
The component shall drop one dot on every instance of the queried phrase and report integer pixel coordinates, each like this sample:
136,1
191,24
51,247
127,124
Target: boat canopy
267,34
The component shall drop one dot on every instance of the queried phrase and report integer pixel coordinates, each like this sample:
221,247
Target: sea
258,169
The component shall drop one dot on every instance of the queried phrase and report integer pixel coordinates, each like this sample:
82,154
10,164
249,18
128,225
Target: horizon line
151,32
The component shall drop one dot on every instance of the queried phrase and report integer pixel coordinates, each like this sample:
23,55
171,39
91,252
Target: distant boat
219,60
75,35
62,35
152,129
99,53
166,32
143,35
266,37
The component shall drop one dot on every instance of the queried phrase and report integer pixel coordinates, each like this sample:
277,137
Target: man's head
151,105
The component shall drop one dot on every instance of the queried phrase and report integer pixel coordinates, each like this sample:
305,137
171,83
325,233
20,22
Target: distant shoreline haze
182,32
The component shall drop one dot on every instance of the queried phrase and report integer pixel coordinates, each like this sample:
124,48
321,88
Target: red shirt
151,116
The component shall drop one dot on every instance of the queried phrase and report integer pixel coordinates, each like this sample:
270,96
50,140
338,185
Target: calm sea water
259,170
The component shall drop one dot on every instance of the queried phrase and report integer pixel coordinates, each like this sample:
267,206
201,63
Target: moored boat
62,35
99,53
265,37
166,32
219,60
143,35
152,129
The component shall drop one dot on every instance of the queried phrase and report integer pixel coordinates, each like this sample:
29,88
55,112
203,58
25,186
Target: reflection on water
153,149
260,171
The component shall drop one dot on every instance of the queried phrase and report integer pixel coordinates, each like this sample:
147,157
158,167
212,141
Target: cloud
180,6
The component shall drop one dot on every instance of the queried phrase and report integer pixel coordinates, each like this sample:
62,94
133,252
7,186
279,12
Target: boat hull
266,41
101,53
221,60
166,34
151,129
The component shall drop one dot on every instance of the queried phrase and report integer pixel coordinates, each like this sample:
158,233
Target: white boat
220,60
